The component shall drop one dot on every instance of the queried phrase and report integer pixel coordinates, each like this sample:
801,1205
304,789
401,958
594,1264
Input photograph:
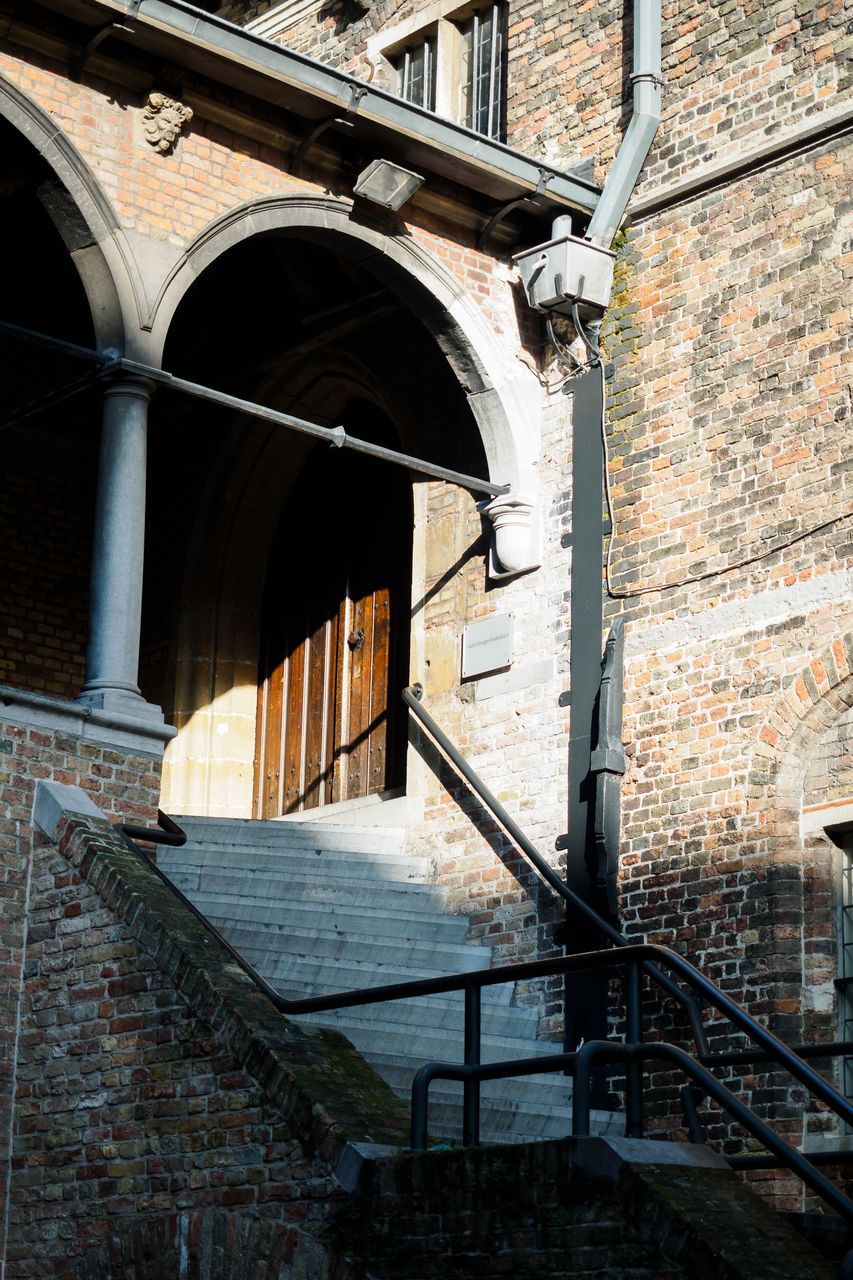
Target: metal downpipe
632,155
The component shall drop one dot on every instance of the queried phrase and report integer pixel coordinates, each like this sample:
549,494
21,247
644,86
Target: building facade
208,610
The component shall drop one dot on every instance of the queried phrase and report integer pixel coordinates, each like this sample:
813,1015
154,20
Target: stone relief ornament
162,121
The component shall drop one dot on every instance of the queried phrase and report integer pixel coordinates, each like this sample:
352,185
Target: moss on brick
322,1085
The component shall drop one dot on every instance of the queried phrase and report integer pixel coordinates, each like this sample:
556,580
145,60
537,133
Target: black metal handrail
579,1064
632,956
412,698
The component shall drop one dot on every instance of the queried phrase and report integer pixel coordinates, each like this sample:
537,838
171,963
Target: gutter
227,54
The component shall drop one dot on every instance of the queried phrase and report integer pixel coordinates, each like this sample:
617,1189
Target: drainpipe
636,144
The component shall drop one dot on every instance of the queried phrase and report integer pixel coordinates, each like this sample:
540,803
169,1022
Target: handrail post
420,1107
634,1065
580,1094
471,1094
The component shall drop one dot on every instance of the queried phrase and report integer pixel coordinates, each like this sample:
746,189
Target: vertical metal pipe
586,995
471,1095
636,144
634,1066
580,1096
420,1108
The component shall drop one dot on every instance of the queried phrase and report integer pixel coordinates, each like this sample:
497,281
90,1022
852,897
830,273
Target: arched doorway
278,602
49,436
335,631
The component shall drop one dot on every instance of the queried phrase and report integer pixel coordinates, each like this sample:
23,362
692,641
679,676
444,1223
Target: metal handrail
579,1064
633,957
412,698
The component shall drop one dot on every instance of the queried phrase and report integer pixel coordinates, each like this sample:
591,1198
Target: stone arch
820,692
84,219
801,867
502,398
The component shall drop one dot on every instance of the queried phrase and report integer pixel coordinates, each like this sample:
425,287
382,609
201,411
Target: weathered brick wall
125,785
45,532
731,72
828,775
727,418
127,1104
152,1079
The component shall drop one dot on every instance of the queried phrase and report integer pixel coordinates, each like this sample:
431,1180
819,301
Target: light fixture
387,184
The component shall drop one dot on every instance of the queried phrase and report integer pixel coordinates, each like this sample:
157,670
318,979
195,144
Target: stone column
115,607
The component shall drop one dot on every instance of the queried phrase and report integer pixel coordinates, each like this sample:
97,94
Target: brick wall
45,528
125,785
728,416
153,1079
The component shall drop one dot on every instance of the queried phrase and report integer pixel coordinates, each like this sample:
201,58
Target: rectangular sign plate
487,645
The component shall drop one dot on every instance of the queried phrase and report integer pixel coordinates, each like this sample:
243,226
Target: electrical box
565,271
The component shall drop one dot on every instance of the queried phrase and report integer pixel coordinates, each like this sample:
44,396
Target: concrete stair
319,907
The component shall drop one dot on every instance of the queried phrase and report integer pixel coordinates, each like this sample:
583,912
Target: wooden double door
335,637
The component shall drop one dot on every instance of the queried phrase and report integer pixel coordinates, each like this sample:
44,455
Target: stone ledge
323,1088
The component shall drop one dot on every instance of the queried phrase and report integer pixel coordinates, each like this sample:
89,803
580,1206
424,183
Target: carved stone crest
162,121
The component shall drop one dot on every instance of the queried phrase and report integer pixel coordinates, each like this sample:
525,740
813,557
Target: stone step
297,919
418,957
320,908
404,1044
441,1013
285,887
316,866
249,833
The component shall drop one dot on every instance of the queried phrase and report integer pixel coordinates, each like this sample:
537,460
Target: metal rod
56,344
692,1122
552,1062
336,436
412,696
52,398
626,954
471,1095
581,1093
634,1066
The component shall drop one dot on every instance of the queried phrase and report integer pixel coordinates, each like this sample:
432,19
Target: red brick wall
127,1105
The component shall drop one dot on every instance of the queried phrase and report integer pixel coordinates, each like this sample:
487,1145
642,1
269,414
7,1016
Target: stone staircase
318,908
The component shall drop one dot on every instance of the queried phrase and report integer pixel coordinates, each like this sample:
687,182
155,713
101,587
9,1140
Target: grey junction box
565,271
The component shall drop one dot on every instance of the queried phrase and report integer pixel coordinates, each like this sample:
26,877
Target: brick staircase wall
169,1121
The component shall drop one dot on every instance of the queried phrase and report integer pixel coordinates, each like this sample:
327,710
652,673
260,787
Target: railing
634,959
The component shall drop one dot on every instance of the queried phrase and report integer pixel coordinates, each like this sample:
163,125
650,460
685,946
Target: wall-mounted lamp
387,184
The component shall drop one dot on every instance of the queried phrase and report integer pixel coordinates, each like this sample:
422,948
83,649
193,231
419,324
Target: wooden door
334,652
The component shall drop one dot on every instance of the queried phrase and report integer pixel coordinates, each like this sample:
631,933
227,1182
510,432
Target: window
483,72
845,977
455,67
416,73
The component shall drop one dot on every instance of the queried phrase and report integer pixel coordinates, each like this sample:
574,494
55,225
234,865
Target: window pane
416,74
484,72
